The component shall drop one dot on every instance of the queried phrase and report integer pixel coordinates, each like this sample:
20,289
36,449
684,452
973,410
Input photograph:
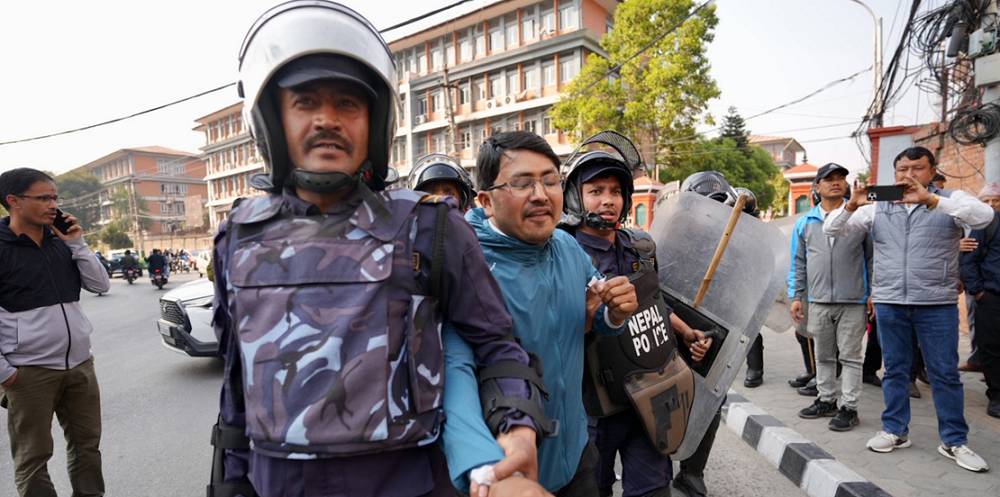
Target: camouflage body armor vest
640,368
342,354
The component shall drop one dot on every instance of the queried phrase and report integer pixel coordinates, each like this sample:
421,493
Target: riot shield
687,228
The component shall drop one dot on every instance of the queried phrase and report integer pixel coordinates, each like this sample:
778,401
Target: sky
68,64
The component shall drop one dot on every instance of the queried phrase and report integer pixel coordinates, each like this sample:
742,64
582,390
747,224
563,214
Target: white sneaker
886,442
965,458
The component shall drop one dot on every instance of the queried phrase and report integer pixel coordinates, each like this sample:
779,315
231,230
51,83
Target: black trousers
873,352
988,341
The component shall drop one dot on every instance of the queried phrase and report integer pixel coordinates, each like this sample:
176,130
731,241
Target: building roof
790,143
150,150
225,111
800,172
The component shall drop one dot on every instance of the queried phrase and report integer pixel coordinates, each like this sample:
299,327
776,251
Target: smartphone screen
61,223
884,193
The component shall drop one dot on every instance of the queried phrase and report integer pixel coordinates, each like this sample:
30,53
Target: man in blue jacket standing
545,277
981,275
915,291
833,273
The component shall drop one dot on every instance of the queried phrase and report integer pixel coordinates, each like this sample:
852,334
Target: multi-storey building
784,151
499,68
230,157
160,177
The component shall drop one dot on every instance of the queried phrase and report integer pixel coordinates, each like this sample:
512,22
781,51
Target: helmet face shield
711,184
296,29
583,165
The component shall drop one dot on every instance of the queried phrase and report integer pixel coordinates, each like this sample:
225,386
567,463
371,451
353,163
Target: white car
185,322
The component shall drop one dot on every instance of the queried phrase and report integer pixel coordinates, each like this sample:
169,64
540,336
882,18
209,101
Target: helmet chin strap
594,220
324,182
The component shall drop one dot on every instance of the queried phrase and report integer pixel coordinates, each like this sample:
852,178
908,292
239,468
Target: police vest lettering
648,330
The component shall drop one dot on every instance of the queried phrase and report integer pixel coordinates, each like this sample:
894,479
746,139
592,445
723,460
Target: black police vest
647,344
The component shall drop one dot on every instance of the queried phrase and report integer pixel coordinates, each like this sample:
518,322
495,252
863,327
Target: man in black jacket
46,365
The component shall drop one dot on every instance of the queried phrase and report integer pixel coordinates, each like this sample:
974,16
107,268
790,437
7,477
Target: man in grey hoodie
46,365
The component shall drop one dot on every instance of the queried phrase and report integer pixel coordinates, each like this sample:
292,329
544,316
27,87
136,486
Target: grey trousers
838,327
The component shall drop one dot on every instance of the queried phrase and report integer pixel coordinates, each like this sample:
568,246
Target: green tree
752,168
862,177
123,207
81,191
735,128
115,236
657,97
781,187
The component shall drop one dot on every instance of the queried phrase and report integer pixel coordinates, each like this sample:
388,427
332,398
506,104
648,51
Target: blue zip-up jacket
544,290
838,274
984,274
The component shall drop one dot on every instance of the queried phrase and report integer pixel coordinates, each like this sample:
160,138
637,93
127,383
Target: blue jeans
936,328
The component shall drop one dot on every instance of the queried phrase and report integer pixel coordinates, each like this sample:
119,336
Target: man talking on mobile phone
915,292
46,365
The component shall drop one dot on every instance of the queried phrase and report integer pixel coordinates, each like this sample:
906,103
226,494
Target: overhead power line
198,95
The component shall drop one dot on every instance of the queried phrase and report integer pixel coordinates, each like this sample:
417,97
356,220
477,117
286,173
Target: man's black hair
18,181
496,146
915,153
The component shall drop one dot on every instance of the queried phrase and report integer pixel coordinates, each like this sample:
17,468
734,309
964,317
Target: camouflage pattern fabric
337,360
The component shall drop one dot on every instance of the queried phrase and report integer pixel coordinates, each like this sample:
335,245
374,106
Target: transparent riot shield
687,228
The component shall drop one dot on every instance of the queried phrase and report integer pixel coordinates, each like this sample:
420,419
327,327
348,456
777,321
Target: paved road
159,406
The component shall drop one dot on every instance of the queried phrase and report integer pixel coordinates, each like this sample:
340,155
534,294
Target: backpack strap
440,231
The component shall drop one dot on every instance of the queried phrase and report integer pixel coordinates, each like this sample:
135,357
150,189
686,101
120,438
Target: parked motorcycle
158,278
130,275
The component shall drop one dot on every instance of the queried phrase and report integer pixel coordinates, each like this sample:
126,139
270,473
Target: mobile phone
884,193
61,223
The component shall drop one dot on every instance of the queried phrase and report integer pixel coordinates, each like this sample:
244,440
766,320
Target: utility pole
133,208
991,94
876,109
452,139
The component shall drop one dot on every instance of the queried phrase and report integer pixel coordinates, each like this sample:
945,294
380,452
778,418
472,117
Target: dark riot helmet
305,40
584,164
711,184
440,167
750,207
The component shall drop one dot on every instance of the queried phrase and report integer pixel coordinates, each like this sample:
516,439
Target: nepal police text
643,324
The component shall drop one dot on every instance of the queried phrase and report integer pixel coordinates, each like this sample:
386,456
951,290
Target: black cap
829,168
939,177
326,66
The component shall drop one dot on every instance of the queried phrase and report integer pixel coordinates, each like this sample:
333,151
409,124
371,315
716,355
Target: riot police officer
440,174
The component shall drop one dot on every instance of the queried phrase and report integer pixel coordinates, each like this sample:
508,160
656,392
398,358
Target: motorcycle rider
157,261
598,199
128,261
331,290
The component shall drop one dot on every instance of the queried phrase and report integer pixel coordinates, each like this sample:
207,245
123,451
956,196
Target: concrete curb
806,464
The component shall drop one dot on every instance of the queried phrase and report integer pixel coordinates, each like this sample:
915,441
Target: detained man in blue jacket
545,277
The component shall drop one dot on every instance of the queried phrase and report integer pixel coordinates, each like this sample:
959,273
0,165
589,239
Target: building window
466,142
463,93
480,42
495,88
527,27
419,145
529,125
437,100
640,216
548,73
567,16
548,19
399,150
421,61
510,29
478,90
172,167
449,55
439,142
801,204
437,59
530,79
496,36
568,67
422,106
173,189
547,126
512,80
464,49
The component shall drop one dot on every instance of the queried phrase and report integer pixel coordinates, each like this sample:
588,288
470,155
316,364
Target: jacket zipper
69,334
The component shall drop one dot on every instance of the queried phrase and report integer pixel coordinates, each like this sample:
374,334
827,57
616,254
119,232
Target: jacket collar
513,248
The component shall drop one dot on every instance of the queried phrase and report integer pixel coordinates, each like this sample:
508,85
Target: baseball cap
829,169
325,66
599,167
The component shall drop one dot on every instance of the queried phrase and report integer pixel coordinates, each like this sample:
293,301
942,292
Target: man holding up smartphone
915,291
46,365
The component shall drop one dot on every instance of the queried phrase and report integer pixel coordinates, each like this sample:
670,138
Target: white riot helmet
304,40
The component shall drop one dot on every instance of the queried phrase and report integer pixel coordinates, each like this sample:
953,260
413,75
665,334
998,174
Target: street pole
876,109
991,94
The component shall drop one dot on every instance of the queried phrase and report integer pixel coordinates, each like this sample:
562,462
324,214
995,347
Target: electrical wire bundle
976,126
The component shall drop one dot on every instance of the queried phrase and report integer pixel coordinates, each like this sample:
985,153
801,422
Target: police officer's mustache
328,136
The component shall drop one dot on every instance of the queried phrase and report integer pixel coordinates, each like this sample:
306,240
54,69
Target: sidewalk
915,471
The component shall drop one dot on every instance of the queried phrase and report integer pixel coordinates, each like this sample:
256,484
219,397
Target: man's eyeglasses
524,186
43,198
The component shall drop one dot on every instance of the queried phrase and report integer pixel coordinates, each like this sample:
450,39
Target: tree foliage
656,97
751,168
80,191
115,236
735,128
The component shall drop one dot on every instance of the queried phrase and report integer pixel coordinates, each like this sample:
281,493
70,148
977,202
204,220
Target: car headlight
199,302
